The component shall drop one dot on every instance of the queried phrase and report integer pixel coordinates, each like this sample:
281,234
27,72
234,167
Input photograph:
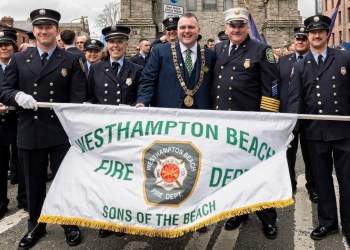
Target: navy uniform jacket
106,88
138,59
78,52
322,92
8,122
248,80
61,79
285,65
159,85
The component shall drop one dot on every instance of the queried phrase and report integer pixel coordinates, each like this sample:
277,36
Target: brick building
275,18
341,30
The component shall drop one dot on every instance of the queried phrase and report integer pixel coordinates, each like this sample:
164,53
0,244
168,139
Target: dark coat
247,80
76,51
159,85
8,122
324,91
138,59
61,79
106,88
285,65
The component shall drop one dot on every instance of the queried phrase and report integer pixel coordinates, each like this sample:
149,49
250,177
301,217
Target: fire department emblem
171,171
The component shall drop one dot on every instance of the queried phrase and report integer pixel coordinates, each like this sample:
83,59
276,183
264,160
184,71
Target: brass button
34,93
335,102
334,94
317,86
222,67
317,78
51,92
218,97
118,100
106,92
318,94
320,111
334,86
218,86
51,83
35,117
220,76
105,100
319,103
118,92
52,116
106,84
35,85
336,111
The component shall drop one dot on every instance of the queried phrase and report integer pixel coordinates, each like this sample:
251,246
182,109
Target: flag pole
300,116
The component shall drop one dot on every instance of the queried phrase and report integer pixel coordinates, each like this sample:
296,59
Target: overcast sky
20,9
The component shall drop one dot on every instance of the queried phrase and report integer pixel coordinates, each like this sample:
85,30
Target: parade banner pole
300,116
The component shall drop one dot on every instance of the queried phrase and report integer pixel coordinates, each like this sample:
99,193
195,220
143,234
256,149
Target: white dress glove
26,101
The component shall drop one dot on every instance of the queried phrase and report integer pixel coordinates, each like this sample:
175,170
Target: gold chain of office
188,100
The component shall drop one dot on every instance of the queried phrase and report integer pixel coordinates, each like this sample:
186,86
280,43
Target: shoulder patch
269,56
81,64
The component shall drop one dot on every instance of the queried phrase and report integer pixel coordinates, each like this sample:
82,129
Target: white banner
165,172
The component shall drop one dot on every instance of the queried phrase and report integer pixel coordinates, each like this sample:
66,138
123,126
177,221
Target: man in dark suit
246,79
166,81
68,39
141,58
185,82
285,65
8,132
320,86
46,74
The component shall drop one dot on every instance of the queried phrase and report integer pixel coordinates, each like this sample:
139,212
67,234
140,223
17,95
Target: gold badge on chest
343,70
64,72
246,63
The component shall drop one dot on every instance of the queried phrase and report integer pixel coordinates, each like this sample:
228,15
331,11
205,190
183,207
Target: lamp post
78,18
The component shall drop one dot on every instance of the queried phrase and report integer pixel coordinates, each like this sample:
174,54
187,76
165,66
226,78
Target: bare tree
110,15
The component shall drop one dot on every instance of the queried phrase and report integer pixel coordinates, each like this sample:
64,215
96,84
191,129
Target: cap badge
2,34
316,19
42,12
93,41
171,20
113,28
302,29
236,12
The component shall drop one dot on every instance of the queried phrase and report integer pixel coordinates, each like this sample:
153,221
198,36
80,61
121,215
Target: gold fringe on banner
159,232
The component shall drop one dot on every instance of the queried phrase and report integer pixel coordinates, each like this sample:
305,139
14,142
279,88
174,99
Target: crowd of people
235,73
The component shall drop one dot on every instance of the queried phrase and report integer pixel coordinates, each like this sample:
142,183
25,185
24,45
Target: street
294,223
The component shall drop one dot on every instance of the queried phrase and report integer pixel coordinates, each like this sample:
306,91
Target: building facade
274,18
341,30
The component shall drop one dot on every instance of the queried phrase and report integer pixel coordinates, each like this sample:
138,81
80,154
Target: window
228,4
209,5
339,18
332,6
348,14
191,5
340,37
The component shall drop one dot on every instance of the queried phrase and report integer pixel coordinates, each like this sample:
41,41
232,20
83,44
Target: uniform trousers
10,157
35,162
291,158
323,155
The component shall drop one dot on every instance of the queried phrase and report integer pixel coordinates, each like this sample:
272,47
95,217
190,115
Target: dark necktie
320,61
300,57
44,58
233,49
115,66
